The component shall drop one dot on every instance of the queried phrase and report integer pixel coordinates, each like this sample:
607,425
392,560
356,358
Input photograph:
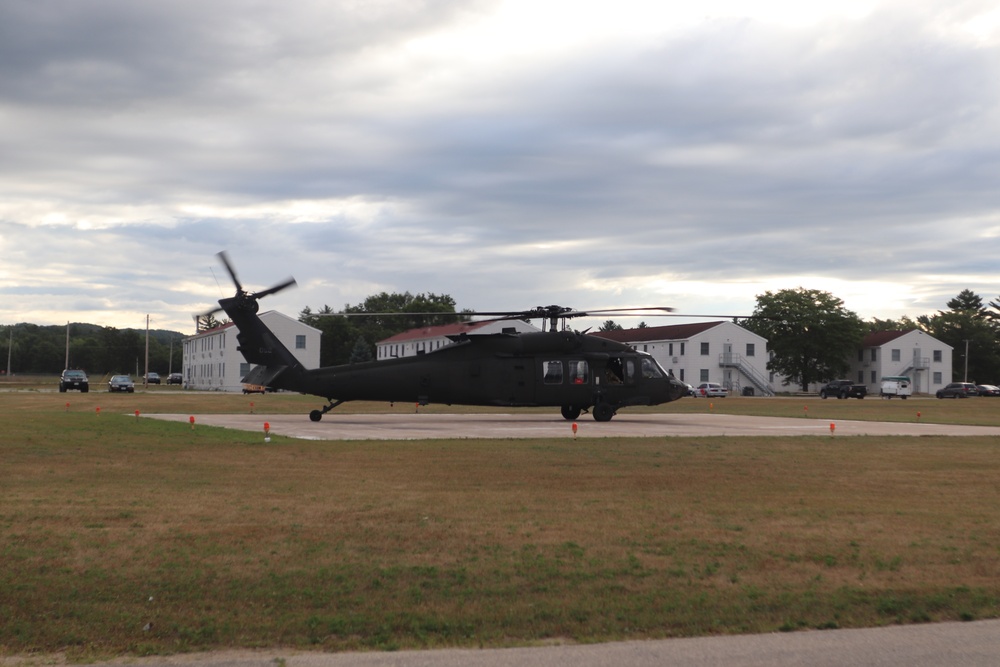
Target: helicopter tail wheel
570,412
603,412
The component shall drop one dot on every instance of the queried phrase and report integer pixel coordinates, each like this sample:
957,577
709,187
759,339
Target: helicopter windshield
651,369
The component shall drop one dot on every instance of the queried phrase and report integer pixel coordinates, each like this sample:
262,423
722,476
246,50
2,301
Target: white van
896,385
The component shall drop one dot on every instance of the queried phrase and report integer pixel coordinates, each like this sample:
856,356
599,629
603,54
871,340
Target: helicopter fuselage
527,369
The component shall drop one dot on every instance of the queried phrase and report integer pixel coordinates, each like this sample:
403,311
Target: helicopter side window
630,371
579,372
650,369
553,372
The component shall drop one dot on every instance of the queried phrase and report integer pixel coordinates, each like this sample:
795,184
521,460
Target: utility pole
145,378
66,365
966,360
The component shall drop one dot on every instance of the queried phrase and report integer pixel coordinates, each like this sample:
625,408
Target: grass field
121,535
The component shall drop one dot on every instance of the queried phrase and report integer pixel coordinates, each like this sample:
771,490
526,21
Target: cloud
504,153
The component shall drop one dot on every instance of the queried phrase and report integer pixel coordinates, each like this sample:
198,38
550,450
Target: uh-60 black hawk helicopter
573,371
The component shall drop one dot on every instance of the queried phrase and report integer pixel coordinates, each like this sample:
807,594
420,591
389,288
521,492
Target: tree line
38,349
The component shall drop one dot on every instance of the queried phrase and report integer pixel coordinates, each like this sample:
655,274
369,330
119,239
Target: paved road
975,644
345,426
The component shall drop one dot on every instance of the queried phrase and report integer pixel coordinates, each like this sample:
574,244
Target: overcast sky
509,154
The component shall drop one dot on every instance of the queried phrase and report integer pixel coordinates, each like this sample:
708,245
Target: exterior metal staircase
756,378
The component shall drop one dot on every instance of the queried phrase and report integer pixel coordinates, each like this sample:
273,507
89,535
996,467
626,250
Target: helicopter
573,371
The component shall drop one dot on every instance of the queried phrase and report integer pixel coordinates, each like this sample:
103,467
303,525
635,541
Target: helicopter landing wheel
603,412
570,412
316,415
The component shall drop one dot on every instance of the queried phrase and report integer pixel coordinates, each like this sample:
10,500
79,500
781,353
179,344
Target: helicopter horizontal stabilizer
263,375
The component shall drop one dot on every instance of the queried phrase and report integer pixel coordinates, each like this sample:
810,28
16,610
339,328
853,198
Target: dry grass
108,523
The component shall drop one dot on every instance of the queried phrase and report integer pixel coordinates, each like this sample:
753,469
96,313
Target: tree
902,324
208,321
809,332
361,352
610,325
967,325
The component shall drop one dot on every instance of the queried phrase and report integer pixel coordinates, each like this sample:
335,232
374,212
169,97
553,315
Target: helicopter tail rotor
243,300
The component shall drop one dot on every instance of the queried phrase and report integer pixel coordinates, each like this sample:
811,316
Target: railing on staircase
756,378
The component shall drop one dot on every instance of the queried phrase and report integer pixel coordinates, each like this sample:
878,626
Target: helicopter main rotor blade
288,282
651,310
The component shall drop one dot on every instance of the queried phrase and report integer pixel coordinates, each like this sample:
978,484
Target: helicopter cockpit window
650,369
615,370
553,372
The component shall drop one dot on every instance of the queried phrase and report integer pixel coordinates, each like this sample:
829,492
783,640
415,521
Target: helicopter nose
677,389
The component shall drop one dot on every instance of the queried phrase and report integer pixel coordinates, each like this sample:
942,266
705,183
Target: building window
751,349
704,375
937,377
670,349
244,370
861,377
704,349
895,355
874,351
682,349
682,375
861,354
874,377
300,342
937,356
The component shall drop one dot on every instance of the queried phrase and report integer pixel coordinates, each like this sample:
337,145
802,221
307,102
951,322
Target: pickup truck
843,389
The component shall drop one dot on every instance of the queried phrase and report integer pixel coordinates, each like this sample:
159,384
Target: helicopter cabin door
518,380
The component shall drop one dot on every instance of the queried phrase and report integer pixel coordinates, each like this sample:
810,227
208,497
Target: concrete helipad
345,426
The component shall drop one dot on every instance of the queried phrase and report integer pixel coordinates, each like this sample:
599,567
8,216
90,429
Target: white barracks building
213,362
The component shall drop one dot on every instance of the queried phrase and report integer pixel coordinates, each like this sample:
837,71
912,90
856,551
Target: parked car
152,378
121,383
988,390
958,390
175,378
843,389
711,390
74,380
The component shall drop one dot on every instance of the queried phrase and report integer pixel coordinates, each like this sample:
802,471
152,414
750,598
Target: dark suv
958,390
74,380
